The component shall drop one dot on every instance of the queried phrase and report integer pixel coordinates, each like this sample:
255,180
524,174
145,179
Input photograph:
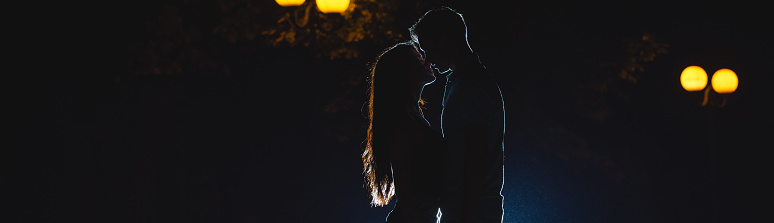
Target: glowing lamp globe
332,6
285,3
724,81
693,78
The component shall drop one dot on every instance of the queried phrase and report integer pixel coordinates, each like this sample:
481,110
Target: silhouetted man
472,121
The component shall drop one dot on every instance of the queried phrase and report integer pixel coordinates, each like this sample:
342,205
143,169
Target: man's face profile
434,55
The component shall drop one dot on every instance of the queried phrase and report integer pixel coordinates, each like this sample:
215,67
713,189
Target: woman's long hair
390,75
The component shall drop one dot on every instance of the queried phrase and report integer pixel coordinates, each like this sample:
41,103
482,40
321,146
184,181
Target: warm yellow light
332,6
693,78
290,2
724,81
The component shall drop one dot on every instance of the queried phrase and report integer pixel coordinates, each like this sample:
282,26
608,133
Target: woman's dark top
417,165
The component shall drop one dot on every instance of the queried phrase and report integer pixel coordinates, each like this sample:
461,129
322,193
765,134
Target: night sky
242,131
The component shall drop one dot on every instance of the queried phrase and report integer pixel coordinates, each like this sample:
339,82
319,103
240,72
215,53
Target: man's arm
476,144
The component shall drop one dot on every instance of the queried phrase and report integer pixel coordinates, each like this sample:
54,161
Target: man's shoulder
483,83
476,72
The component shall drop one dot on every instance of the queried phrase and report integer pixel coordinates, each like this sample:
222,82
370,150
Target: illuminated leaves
334,36
637,53
631,61
182,36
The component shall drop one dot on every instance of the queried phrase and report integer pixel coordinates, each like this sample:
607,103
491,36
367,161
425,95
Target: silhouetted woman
403,154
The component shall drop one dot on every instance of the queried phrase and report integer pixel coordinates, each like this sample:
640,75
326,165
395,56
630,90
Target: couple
459,171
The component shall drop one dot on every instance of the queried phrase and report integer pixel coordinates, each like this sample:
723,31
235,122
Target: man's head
443,35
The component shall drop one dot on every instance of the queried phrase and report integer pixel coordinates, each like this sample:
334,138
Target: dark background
273,134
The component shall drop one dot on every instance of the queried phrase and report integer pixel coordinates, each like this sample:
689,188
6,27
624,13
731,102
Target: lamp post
307,9
311,21
724,81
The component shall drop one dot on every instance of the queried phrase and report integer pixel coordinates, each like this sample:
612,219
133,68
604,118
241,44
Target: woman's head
395,76
402,66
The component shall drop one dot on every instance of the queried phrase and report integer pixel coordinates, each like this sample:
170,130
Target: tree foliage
595,93
637,53
333,35
189,35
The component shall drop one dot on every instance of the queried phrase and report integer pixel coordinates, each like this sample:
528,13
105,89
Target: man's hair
440,22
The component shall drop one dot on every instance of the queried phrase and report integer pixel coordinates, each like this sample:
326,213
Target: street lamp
724,81
325,6
693,78
332,6
307,11
285,3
